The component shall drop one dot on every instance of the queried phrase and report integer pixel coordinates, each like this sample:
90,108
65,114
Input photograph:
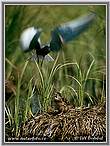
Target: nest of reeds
67,124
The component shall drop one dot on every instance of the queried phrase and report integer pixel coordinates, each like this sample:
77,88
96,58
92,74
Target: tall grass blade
71,88
40,73
10,118
17,99
89,70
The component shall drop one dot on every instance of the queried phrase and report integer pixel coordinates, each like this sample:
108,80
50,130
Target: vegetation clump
66,124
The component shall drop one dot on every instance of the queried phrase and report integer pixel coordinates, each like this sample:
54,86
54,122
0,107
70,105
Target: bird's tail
35,57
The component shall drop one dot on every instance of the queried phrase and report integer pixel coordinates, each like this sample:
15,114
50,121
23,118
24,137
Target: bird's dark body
43,51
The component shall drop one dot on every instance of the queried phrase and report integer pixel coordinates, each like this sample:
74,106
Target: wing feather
29,39
69,31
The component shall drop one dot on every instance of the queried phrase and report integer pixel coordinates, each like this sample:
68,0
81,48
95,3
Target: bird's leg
37,58
42,60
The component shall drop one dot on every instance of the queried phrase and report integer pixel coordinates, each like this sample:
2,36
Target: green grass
78,71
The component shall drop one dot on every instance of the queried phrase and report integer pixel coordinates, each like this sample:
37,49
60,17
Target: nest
73,125
66,124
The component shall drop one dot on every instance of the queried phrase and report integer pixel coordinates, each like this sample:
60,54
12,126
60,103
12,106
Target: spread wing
69,31
30,39
35,42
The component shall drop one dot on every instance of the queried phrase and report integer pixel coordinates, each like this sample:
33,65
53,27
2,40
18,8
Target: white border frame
3,55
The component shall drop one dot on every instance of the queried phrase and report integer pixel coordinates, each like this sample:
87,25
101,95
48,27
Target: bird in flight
30,37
